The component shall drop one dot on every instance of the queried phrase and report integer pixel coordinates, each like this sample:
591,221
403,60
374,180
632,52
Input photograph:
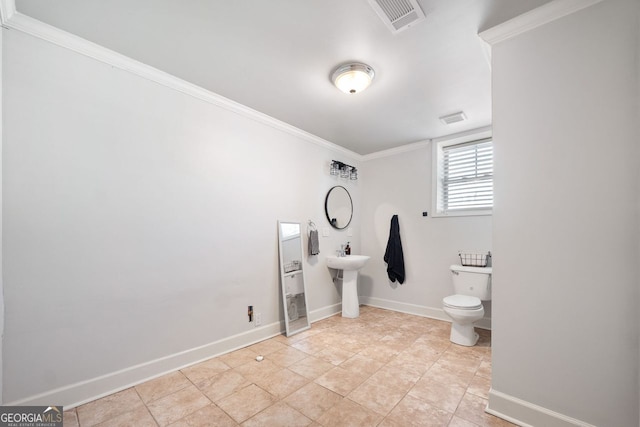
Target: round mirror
338,207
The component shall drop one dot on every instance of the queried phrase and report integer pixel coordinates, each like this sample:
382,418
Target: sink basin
349,262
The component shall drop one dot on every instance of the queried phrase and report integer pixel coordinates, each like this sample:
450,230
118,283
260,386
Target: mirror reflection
292,277
338,207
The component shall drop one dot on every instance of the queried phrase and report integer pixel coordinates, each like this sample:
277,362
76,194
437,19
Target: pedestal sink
349,265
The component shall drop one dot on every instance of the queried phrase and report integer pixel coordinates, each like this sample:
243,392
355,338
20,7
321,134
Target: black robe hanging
393,255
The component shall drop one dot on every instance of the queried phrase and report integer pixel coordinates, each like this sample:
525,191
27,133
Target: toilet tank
472,281
294,284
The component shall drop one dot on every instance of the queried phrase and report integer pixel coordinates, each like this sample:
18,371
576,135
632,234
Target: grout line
145,406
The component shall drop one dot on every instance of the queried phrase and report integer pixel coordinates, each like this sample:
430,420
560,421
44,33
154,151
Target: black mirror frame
332,221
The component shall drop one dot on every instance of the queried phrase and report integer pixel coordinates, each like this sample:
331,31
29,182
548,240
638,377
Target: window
463,177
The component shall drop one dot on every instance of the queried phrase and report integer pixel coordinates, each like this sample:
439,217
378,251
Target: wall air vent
398,15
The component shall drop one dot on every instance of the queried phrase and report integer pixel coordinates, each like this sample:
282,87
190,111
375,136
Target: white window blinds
467,176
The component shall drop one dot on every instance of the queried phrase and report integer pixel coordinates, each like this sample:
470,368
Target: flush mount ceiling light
352,77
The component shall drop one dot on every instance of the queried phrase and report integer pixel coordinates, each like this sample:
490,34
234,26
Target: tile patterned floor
384,369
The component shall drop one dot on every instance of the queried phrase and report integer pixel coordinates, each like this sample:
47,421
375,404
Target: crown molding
7,10
481,132
484,131
41,30
534,18
397,150
15,20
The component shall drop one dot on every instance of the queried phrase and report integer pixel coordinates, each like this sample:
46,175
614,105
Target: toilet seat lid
463,302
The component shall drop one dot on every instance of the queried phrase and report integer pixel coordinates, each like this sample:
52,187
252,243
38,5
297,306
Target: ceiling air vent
453,118
398,15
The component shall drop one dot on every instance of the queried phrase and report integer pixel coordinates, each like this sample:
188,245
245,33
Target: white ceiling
276,57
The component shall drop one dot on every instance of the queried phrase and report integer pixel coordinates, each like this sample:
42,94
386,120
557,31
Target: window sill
462,213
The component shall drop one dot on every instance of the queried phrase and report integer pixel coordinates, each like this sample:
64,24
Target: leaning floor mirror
294,296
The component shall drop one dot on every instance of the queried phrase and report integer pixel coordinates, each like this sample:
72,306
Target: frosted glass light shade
352,77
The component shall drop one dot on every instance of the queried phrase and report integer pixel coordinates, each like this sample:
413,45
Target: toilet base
463,334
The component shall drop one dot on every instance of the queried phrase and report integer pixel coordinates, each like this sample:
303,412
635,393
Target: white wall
140,222
565,229
401,184
1,275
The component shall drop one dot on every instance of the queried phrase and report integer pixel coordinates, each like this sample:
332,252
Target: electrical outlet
258,319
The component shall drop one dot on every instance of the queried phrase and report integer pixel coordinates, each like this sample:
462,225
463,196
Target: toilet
471,285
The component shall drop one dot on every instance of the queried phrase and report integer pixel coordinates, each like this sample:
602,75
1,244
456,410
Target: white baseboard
418,310
85,391
324,312
82,392
94,388
527,414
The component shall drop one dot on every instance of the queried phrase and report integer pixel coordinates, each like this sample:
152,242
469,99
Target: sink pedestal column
349,265
350,303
